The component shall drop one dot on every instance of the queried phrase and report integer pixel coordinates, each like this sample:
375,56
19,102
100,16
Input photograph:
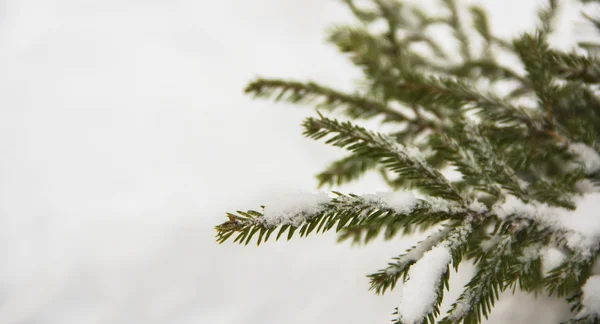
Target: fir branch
487,68
345,170
342,211
451,250
390,11
425,20
573,66
382,62
576,303
577,113
484,288
447,245
365,233
453,235
405,162
387,278
354,106
568,278
535,54
396,182
586,319
515,162
594,177
420,37
547,15
481,24
455,22
525,274
559,190
523,148
384,59
369,52
455,94
503,44
366,16
526,269
481,165
434,310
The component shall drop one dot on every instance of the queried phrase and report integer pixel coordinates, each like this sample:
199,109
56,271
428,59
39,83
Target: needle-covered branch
450,95
482,26
344,211
484,288
571,274
535,54
474,156
364,15
355,106
426,278
346,170
572,66
387,278
404,161
459,32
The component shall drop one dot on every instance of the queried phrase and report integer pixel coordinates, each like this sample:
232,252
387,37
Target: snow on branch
483,289
580,227
587,156
293,208
591,298
577,230
307,212
423,290
387,278
530,170
424,269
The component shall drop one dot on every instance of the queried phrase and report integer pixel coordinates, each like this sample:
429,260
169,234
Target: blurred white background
125,137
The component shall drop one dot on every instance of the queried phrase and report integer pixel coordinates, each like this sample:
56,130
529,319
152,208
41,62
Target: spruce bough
527,155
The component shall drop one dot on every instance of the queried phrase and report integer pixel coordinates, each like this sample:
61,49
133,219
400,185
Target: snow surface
420,291
591,295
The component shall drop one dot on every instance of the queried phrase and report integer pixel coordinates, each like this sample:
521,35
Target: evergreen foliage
526,154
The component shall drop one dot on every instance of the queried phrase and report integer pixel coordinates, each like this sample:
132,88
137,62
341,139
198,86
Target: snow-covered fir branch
526,146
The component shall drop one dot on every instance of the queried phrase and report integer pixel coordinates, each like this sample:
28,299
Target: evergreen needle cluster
525,143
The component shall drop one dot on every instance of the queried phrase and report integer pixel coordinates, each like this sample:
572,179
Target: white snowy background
125,137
